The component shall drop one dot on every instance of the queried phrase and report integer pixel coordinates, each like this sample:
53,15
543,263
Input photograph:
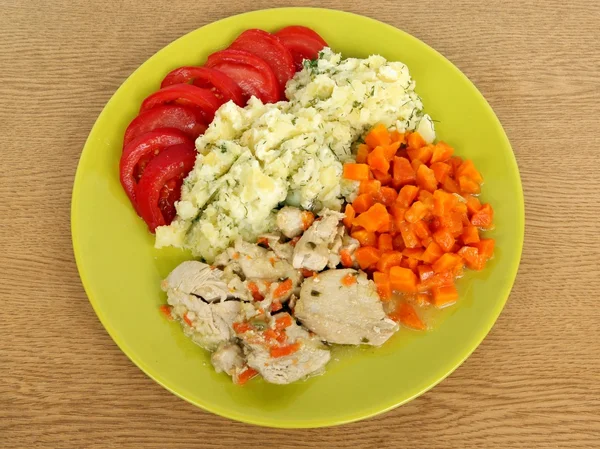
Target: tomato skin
271,50
186,119
253,74
186,95
302,42
205,77
143,149
172,164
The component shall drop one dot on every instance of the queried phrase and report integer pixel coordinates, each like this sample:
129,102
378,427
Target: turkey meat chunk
342,314
319,242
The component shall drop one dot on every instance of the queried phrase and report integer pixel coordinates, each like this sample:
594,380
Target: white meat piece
292,221
313,249
193,277
228,358
311,358
336,246
347,315
282,250
206,324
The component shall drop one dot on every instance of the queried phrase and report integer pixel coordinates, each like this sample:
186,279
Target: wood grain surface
533,383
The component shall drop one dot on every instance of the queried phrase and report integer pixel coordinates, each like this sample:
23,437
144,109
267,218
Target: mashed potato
253,159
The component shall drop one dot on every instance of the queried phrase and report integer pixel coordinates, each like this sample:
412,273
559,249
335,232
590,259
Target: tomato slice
301,44
299,29
186,119
187,95
160,185
271,50
138,154
252,73
220,84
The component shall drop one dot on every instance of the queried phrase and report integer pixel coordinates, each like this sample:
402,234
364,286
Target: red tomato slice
301,45
220,84
186,119
138,153
298,29
271,50
187,95
252,73
160,185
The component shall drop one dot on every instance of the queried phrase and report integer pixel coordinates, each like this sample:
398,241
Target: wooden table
535,380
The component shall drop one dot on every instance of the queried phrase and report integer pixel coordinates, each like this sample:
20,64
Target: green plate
121,270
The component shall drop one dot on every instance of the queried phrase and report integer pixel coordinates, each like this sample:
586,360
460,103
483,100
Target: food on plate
254,158
313,194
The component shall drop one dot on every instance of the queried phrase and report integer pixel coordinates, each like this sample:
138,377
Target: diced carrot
432,253
390,150
379,135
384,177
402,172
415,141
448,262
454,163
384,289
425,272
385,242
473,204
294,241
350,215
470,235
416,212
397,136
426,241
454,223
426,198
485,247
443,203
407,195
444,296
374,219
246,375
415,164
362,153
282,351
450,185
426,178
437,280
356,172
484,217
256,294
403,279
408,235
366,256
388,260
397,213
241,328
471,257
370,186
283,320
468,185
307,273
410,263
307,219
407,316
165,309
441,152
362,203
413,253
422,299
346,258
364,237
441,170
349,280
263,241
467,168
387,196
398,242
421,229
276,306
462,209
423,153
377,160
283,289
444,238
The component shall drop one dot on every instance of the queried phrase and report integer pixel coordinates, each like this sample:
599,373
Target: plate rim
351,417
